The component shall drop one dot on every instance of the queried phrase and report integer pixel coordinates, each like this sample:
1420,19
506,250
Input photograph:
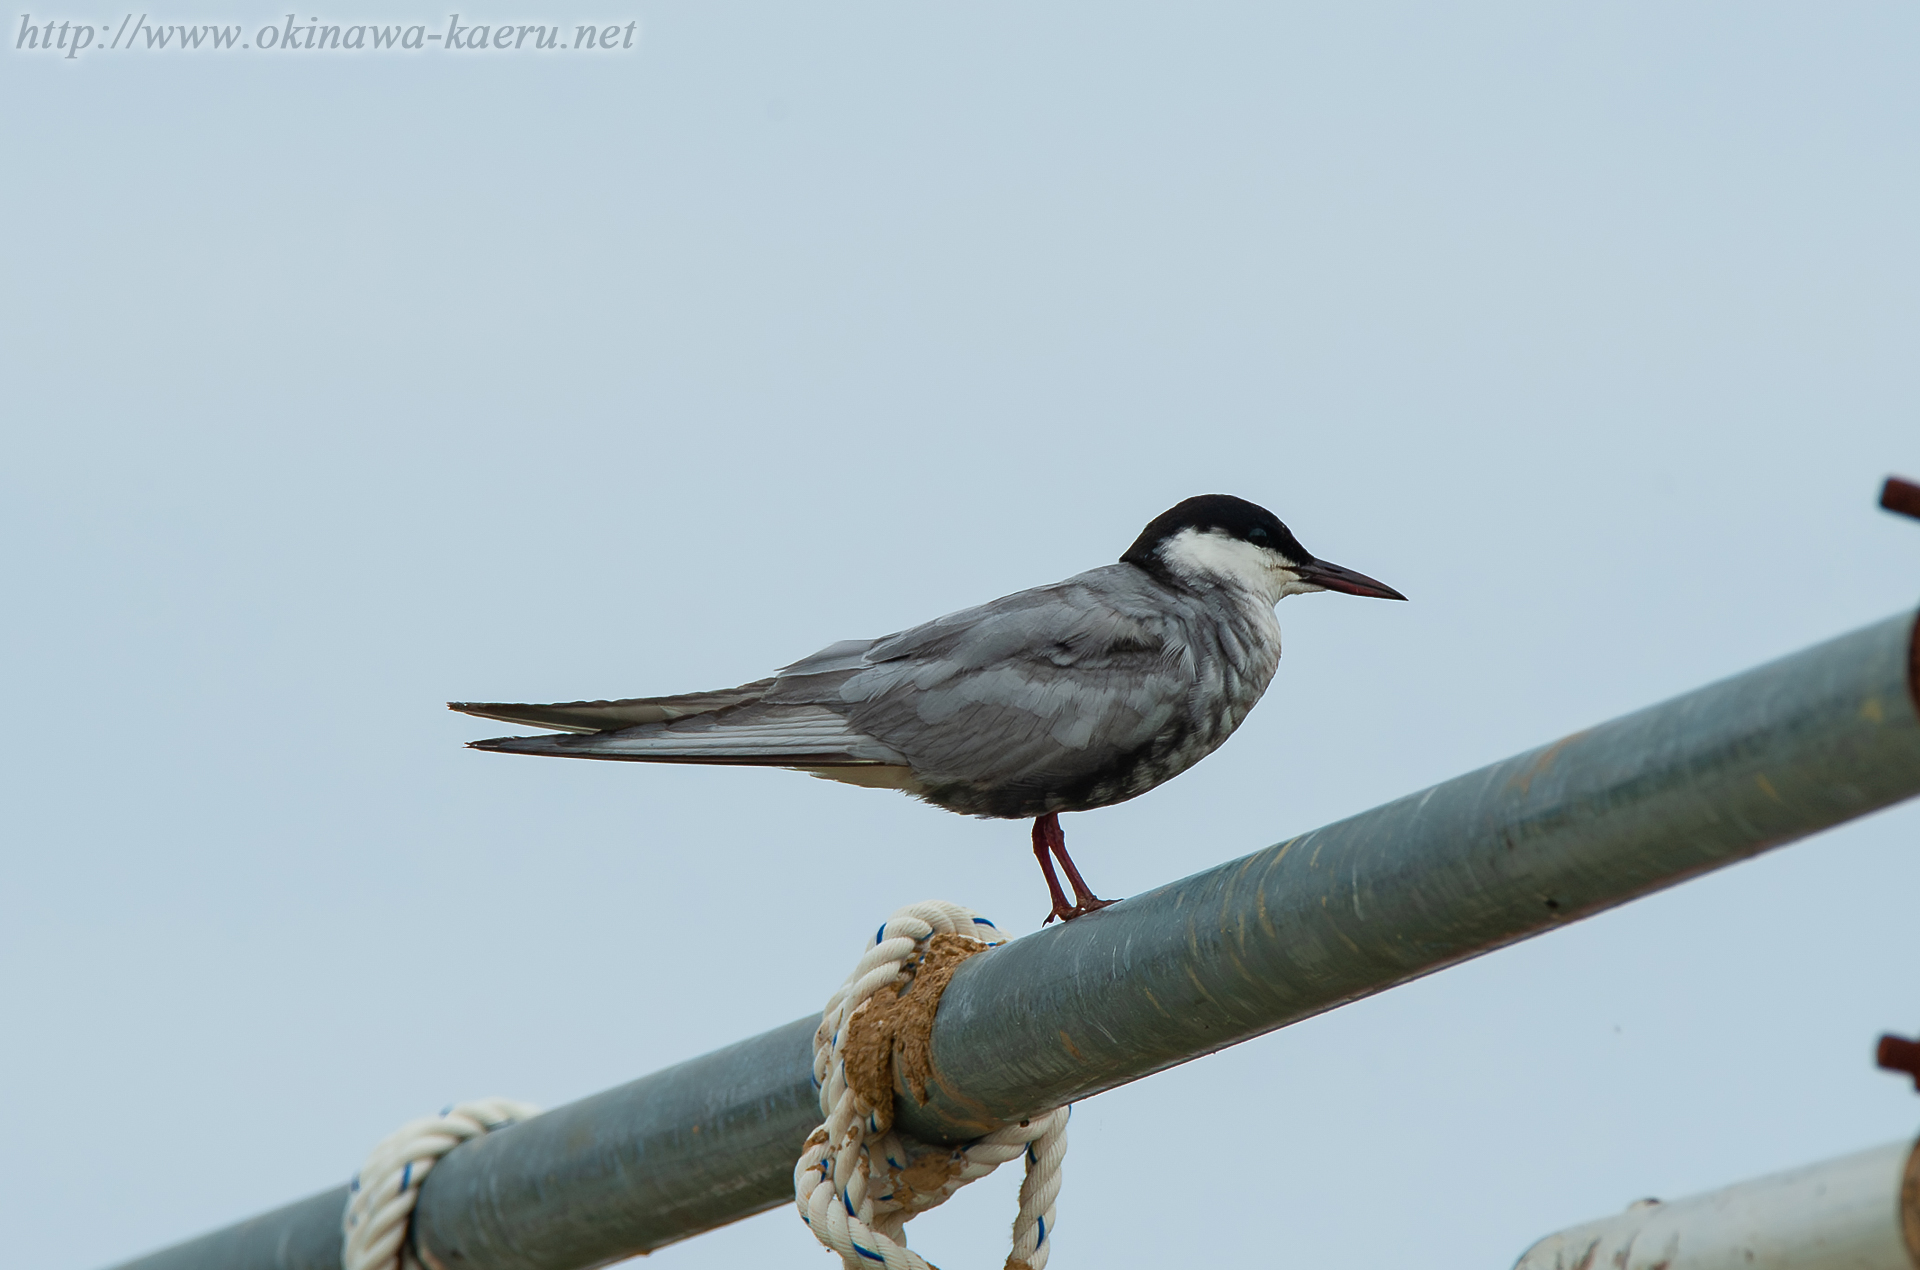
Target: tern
1066,697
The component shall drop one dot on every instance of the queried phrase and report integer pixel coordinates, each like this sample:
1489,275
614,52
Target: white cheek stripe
1214,557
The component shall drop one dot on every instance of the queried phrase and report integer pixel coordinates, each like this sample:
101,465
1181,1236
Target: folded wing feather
605,716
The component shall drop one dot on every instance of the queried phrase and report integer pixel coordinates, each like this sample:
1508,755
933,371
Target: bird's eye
1256,534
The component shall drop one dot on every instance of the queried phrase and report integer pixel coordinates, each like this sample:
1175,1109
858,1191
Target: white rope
859,1181
380,1201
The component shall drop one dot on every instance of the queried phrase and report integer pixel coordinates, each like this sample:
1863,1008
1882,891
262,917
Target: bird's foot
1086,904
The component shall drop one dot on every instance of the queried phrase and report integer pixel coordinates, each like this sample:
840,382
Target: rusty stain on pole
1594,820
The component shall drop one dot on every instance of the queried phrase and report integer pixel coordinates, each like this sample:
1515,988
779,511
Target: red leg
1083,897
1049,838
1043,852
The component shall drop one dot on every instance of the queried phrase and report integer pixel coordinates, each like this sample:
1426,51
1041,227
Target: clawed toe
1089,904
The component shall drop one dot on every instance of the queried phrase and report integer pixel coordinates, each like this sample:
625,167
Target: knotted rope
859,1180
380,1201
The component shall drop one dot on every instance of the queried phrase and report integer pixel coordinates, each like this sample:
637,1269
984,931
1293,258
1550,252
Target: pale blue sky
339,387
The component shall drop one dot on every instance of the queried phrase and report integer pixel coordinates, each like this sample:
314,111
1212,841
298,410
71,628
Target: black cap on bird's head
1228,519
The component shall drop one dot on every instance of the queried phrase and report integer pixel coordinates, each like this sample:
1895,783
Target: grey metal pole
1859,1212
1541,839
1593,820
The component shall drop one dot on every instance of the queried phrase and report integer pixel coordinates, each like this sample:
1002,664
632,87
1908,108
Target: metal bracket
1898,1054
1901,496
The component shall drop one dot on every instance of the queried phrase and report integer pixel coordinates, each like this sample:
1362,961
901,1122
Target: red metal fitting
1901,496
1898,1054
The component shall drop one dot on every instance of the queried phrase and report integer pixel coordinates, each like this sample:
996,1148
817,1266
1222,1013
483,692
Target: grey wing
1042,688
602,716
734,726
1037,689
755,735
